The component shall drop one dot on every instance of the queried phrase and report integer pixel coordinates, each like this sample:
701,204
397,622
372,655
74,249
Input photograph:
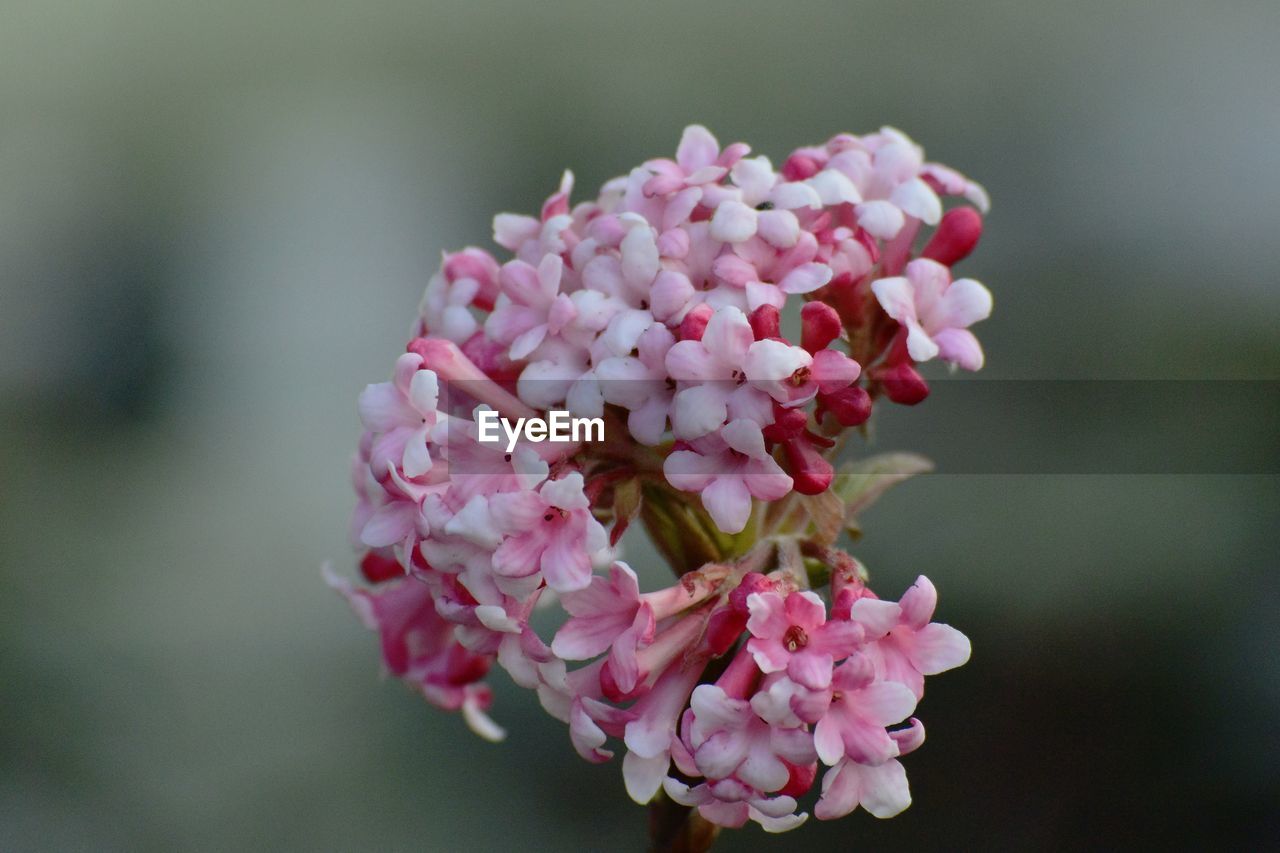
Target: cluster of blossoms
659,307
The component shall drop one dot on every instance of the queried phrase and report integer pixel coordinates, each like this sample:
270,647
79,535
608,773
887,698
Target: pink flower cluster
659,306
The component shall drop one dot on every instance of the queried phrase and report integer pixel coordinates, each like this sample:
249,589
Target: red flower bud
957,234
819,326
811,471
801,779
695,322
902,384
766,322
377,568
787,424
799,166
851,406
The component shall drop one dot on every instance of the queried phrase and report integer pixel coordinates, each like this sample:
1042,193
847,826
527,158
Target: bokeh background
216,220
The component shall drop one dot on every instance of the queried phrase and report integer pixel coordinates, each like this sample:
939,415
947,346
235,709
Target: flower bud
695,322
902,384
766,322
811,471
958,233
819,326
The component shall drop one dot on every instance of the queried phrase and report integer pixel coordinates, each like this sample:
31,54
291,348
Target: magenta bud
801,779
751,582
902,384
377,568
766,322
810,471
851,406
799,166
819,326
957,234
787,424
695,322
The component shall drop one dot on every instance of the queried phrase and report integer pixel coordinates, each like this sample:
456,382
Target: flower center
795,638
555,514
800,377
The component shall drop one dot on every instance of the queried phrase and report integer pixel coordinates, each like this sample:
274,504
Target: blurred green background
215,224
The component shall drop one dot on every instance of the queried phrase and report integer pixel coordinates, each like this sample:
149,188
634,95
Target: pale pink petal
566,492
938,648
510,231
688,470
746,437
811,669
897,298
417,458
728,503
768,615
763,770
960,347
424,391
881,219
964,303
586,736
805,278
698,411
766,480
670,294
827,740
390,524
772,361
755,177
640,261
920,346
834,187
697,148
919,602
770,655
383,408
733,222
691,361
792,196
806,610
779,228
885,791
885,702
875,616
916,198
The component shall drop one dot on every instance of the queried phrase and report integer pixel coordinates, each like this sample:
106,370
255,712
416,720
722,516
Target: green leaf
861,482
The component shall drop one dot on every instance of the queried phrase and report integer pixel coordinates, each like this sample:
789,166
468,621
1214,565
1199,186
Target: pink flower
531,306
903,644
401,413
880,789
418,646
639,383
729,469
729,803
793,635
729,739
649,735
550,530
936,312
466,278
861,707
718,388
